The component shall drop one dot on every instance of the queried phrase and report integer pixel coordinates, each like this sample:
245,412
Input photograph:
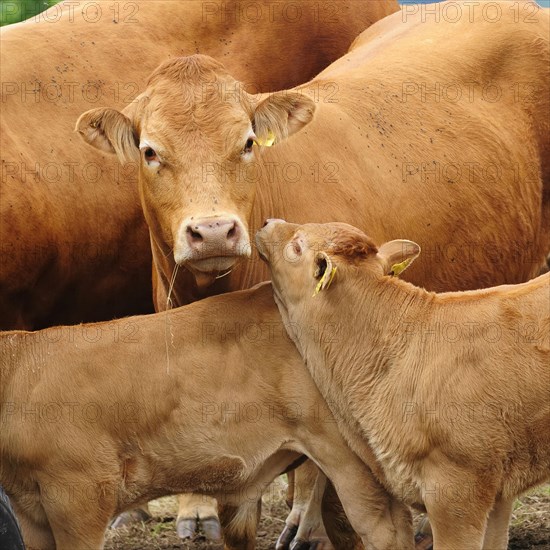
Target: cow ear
110,131
280,115
398,255
324,272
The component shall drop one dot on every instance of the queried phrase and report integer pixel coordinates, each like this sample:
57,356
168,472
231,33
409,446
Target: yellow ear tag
325,278
268,141
397,269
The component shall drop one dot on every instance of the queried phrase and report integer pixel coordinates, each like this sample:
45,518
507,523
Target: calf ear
110,131
324,272
281,115
398,255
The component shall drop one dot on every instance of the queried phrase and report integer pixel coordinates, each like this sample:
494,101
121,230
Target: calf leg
290,489
78,525
458,518
458,503
339,531
496,535
456,532
35,536
198,510
304,525
78,508
380,520
240,524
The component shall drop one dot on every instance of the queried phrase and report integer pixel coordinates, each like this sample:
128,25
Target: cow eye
248,146
149,154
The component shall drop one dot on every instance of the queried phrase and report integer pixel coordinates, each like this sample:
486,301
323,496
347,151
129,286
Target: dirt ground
529,529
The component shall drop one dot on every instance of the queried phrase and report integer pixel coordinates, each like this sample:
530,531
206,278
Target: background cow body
400,165
407,166
74,242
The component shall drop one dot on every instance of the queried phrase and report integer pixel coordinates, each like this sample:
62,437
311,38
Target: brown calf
212,398
449,390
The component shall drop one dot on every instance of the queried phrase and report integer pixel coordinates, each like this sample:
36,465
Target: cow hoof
299,544
286,537
212,529
186,528
424,539
130,517
423,542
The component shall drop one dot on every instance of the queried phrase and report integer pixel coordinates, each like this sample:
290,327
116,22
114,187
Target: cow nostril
232,232
194,235
265,223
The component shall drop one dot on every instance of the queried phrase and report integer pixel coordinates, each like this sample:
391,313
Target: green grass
161,528
13,11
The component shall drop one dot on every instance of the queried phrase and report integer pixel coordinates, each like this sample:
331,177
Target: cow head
193,133
311,259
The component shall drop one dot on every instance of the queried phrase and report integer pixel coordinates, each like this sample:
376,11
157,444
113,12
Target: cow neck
365,333
270,201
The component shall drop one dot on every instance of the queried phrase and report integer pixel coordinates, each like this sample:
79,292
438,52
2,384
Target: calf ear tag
268,141
325,281
397,269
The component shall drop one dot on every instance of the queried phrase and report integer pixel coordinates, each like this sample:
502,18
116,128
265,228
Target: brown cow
404,161
212,397
450,390
74,243
204,184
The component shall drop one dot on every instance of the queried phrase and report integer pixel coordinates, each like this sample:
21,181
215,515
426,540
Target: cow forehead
195,89
312,233
188,115
337,238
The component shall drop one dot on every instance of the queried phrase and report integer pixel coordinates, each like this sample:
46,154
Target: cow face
307,260
194,133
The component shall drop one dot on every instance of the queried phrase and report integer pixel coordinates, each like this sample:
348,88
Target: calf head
308,262
194,134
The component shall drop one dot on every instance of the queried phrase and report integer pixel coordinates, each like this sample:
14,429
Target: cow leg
198,511
78,525
457,524
35,536
240,524
91,540
290,489
381,521
311,532
424,537
496,535
304,525
456,533
336,523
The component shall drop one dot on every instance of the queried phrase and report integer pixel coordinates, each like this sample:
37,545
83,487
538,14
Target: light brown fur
74,242
198,118
147,406
460,424
77,250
